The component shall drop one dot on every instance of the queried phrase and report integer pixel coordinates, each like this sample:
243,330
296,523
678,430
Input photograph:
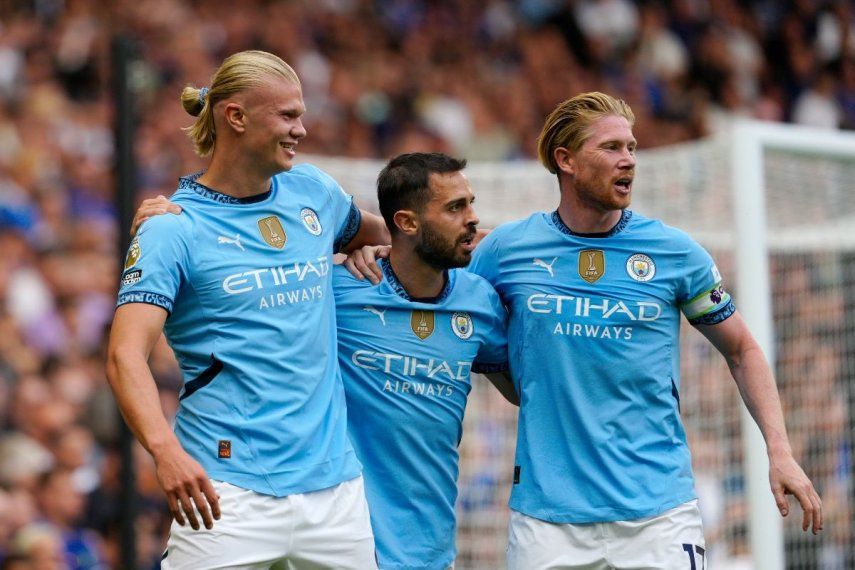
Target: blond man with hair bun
240,283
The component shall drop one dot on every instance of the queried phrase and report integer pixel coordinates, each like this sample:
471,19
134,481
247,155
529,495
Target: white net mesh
811,222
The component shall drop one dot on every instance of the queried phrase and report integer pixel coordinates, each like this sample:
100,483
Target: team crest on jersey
592,264
461,324
272,231
640,267
134,252
311,221
422,323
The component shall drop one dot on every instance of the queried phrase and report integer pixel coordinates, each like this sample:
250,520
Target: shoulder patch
134,253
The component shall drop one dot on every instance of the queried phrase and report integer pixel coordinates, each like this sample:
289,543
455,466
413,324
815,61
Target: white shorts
673,540
330,528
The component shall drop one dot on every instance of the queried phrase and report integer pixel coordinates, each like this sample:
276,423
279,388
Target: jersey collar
618,227
398,288
190,182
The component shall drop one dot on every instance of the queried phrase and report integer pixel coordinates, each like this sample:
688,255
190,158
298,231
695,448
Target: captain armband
710,307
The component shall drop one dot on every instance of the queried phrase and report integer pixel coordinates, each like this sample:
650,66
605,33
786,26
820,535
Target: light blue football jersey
406,365
247,284
594,350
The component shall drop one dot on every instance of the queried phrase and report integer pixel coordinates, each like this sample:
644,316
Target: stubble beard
602,201
438,252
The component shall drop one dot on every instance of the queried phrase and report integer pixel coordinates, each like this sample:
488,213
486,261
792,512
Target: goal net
809,206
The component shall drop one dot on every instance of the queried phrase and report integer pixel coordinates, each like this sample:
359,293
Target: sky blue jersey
406,366
594,350
247,285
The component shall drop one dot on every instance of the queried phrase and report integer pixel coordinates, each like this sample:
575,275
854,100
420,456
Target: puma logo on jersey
548,266
374,311
235,241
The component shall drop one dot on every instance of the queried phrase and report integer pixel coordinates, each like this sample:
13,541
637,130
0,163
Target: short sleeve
156,264
346,216
493,353
701,293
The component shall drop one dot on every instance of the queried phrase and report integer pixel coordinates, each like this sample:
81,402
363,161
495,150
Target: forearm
136,393
757,387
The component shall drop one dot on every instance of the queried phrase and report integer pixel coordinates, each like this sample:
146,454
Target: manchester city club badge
640,267
311,221
461,324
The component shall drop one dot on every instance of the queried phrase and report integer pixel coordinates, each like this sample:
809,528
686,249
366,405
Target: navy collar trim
191,182
396,285
618,227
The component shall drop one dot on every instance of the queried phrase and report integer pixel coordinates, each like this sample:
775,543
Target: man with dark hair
406,349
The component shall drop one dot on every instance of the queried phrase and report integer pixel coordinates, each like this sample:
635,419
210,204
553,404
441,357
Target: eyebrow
464,200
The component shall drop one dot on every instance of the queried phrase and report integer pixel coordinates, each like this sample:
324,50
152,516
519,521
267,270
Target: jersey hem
445,563
312,480
602,515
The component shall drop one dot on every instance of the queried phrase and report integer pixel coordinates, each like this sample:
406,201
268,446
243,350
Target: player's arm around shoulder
756,384
152,207
372,232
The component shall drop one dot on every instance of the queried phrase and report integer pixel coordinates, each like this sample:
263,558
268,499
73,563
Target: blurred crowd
380,77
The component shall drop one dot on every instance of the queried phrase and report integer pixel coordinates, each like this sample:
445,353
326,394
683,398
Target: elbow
113,367
118,360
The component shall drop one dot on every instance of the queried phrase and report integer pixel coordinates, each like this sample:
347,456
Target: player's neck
228,176
419,279
581,218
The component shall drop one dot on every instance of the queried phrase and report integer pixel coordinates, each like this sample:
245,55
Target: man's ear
406,221
564,160
235,117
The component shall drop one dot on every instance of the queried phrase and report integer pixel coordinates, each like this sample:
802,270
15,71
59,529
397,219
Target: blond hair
240,71
568,125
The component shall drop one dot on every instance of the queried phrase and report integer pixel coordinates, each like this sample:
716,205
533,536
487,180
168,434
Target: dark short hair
404,182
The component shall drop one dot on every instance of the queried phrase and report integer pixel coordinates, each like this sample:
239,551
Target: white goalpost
775,206
751,140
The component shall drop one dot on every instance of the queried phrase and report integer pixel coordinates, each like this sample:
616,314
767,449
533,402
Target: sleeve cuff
146,297
715,317
350,229
488,368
